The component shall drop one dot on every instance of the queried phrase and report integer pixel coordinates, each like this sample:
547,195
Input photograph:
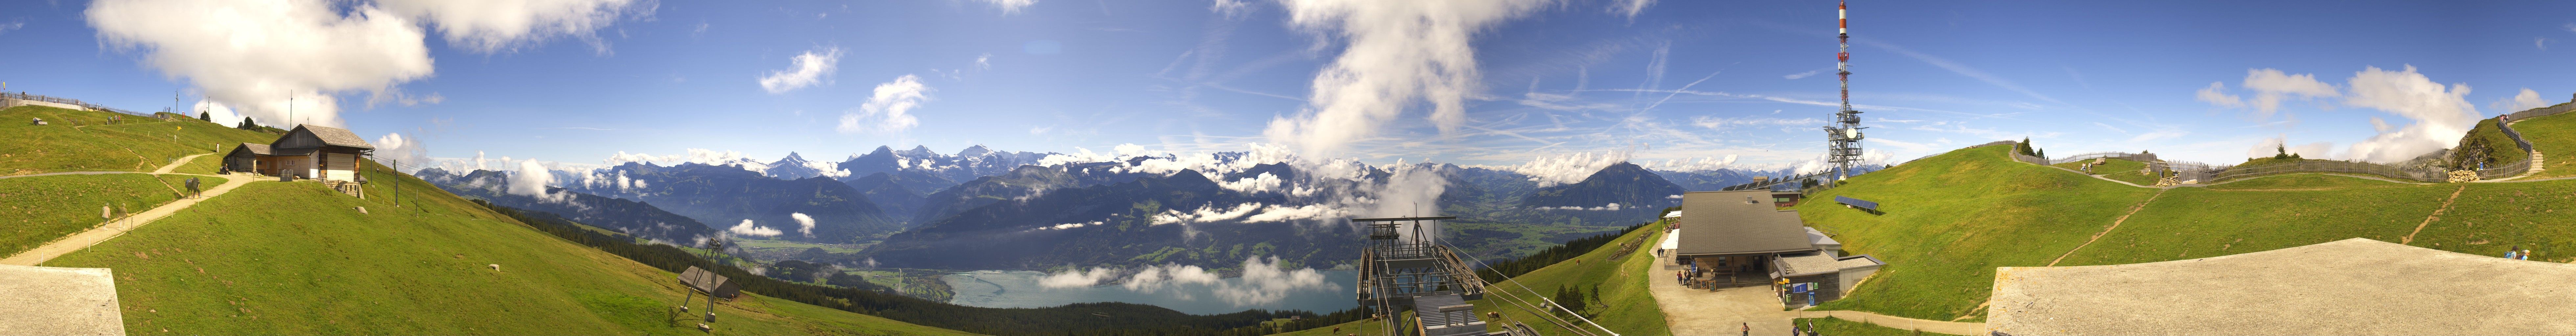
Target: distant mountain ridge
634,218
723,196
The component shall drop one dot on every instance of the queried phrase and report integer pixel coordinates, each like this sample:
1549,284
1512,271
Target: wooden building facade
308,152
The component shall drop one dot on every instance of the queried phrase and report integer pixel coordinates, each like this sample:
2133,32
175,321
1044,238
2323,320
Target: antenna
1843,148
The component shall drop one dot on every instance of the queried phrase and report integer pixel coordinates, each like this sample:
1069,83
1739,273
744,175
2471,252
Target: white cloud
804,223
1395,53
2440,115
1205,213
1569,168
2216,94
314,50
2271,86
1076,278
812,67
747,229
889,109
1231,8
304,47
502,25
692,155
1266,282
1280,213
394,148
2526,100
530,179
1265,182
1630,8
1154,278
1009,7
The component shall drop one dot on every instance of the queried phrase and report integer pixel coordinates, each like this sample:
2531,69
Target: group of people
2518,253
1794,330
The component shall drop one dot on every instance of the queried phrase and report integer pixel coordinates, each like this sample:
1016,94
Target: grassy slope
2498,145
141,145
2117,169
2303,181
1952,218
2252,215
1841,327
2555,137
294,258
1627,305
43,208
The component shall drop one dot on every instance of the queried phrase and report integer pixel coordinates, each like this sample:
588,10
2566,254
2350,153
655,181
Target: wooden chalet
309,152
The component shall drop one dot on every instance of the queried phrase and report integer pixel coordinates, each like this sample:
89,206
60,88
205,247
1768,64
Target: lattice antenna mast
1843,140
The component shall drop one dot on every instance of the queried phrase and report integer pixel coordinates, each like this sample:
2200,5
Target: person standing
1748,329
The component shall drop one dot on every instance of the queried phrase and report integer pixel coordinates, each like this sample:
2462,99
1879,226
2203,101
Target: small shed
251,158
1828,276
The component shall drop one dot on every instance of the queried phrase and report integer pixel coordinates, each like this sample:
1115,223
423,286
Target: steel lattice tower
1843,148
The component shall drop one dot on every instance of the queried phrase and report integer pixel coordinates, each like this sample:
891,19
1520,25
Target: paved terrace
2348,287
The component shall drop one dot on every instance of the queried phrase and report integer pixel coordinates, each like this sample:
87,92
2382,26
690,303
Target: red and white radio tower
1843,140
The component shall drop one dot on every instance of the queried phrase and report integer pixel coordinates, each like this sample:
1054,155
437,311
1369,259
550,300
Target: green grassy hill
2555,137
2117,169
82,141
1624,305
1952,218
296,258
44,208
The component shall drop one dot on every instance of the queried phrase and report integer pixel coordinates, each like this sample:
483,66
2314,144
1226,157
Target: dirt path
174,164
2115,225
2437,215
118,227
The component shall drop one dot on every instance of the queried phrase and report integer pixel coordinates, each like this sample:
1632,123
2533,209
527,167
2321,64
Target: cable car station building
1740,238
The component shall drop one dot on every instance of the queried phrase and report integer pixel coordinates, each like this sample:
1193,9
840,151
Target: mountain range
985,209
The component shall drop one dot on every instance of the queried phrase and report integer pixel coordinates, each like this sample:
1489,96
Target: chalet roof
259,149
1738,222
2348,287
336,137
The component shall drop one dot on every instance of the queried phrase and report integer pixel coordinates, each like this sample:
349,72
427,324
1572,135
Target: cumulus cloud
2440,114
1155,278
530,179
889,109
1395,53
1569,168
2271,86
1264,182
1069,225
1076,278
1266,282
812,67
2216,94
313,50
394,147
804,223
747,229
306,48
502,25
2526,100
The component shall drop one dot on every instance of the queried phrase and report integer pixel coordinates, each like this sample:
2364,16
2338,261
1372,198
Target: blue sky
579,80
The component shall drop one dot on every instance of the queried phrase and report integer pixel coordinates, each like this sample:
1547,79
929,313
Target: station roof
1738,222
2347,287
